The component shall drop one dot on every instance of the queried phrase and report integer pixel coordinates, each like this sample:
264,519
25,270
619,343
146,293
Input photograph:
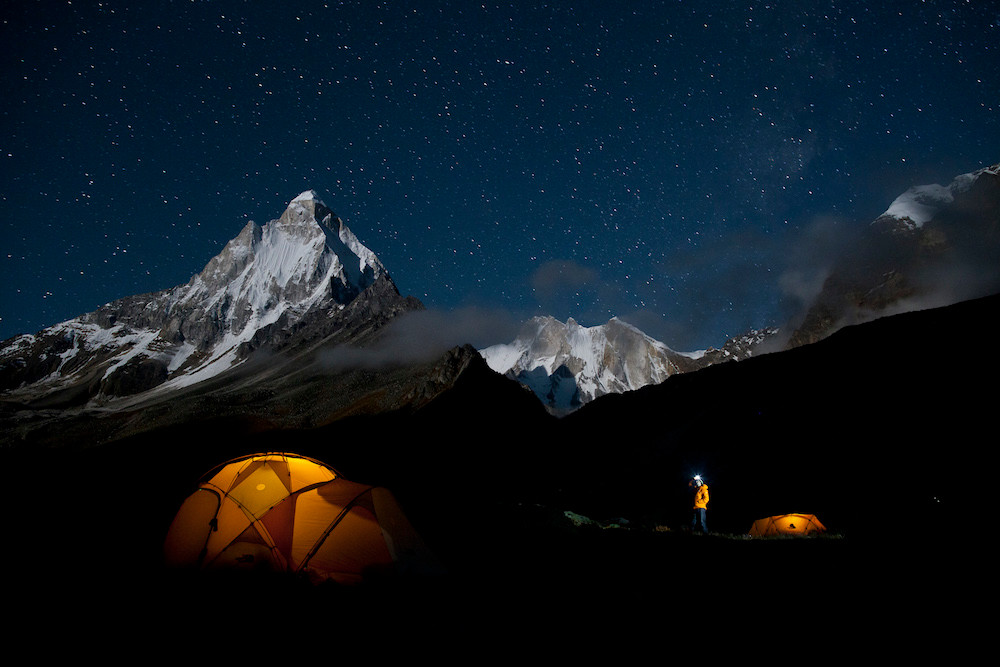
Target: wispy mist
422,336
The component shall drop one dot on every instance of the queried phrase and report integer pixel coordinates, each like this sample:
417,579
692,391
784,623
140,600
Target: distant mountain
935,245
298,278
567,365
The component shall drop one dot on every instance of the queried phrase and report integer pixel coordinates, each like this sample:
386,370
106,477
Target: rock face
935,245
298,278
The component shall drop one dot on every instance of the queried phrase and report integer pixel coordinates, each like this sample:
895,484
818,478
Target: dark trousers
698,520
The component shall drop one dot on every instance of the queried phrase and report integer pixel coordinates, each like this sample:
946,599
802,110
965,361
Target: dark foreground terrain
83,565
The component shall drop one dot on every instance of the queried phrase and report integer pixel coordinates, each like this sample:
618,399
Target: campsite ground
580,581
86,546
531,589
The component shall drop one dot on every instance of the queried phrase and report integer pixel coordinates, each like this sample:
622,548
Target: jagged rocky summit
294,279
567,365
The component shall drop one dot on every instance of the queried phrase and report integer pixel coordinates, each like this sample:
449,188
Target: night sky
671,163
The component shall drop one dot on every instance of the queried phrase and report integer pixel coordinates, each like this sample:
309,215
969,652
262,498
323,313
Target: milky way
662,162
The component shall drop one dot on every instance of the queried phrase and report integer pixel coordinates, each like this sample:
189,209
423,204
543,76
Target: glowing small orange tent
787,524
289,513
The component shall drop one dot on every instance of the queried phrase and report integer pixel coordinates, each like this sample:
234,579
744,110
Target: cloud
811,256
422,336
825,244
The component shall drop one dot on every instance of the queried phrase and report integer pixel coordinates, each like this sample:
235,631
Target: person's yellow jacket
701,497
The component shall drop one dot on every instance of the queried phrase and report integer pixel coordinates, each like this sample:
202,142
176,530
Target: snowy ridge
918,205
567,364
305,261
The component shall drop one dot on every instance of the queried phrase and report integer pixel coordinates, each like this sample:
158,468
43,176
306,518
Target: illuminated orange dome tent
290,513
787,524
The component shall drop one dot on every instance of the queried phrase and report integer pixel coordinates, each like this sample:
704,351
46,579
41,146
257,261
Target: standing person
698,517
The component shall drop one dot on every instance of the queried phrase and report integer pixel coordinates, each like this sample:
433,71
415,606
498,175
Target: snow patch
918,205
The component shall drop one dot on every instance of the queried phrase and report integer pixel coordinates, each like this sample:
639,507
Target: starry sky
681,165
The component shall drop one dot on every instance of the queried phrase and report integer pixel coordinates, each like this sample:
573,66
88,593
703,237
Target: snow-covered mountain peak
934,245
305,263
567,364
305,256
